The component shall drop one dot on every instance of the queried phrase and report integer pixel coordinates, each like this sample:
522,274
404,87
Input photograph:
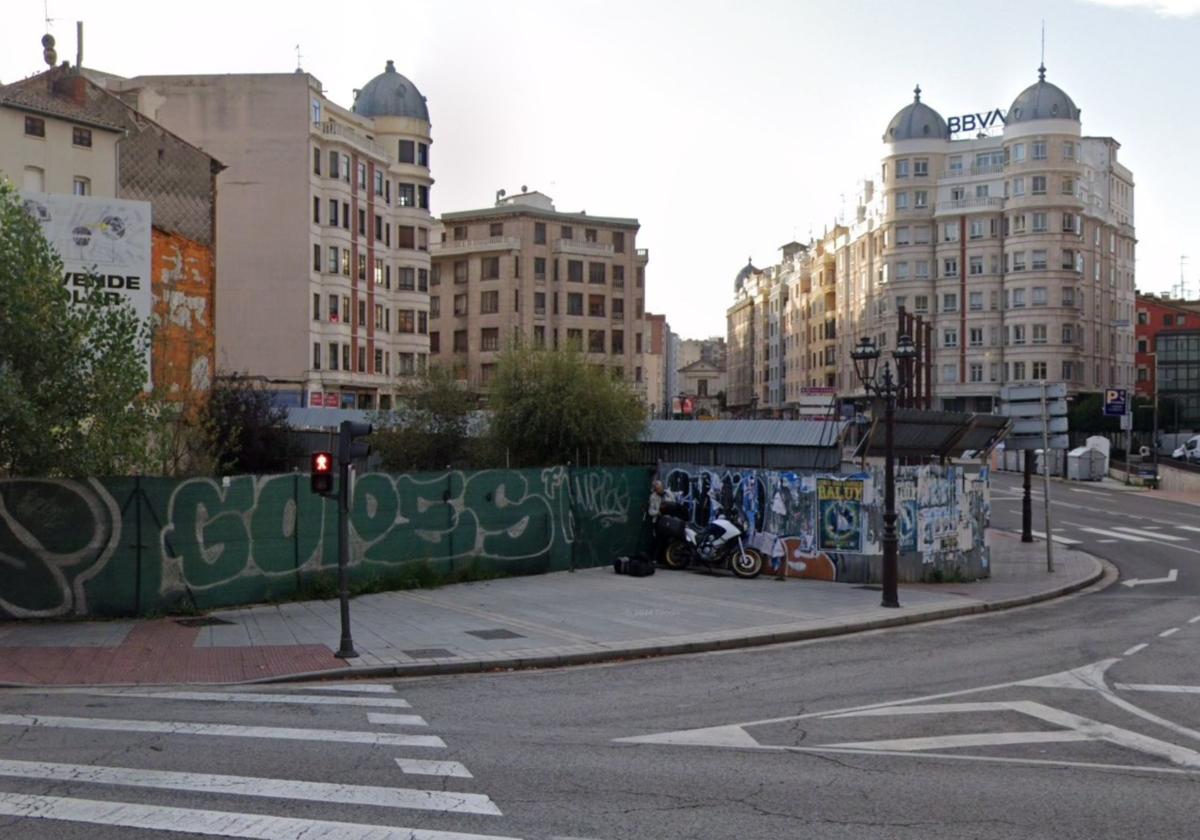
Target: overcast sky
726,128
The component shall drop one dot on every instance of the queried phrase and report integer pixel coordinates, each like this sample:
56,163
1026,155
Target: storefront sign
977,122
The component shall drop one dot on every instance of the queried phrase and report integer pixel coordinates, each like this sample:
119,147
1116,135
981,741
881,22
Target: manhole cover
499,633
430,653
207,621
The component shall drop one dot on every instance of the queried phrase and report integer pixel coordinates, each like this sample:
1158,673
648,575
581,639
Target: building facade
1017,245
324,225
657,358
524,271
1168,359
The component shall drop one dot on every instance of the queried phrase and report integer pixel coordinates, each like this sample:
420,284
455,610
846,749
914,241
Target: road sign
1033,393
1116,402
1054,408
1023,403
1033,426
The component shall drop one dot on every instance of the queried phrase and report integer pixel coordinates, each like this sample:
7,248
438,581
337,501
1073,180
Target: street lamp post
887,387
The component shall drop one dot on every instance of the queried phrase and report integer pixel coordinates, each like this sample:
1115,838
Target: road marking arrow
1171,577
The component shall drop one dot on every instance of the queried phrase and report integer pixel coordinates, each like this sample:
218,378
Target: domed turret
391,95
1042,101
916,121
742,276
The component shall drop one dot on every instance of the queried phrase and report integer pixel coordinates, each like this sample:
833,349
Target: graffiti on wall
93,547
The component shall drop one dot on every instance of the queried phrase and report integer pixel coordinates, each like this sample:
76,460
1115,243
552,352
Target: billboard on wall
102,242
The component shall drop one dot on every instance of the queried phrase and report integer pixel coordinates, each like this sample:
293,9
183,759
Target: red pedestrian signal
321,473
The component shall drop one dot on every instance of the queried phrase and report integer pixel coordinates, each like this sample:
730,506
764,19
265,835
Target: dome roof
744,275
390,95
916,121
1042,101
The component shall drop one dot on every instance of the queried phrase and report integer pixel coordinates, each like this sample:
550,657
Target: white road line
1107,541
1170,632
1113,534
1041,535
396,720
211,823
1194,620
1135,649
925,709
1188,528
223,729
980,739
1153,535
245,697
425,767
1169,689
351,687
1089,492
383,797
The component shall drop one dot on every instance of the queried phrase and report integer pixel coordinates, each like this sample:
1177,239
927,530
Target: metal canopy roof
938,434
807,433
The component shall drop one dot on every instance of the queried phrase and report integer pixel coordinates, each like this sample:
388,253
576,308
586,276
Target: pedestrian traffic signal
321,473
349,447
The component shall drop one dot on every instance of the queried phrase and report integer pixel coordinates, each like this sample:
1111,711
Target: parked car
1189,451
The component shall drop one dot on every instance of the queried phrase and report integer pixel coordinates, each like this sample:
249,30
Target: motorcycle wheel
677,555
747,563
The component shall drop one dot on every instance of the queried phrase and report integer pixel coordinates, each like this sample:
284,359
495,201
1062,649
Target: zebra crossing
144,795
1078,533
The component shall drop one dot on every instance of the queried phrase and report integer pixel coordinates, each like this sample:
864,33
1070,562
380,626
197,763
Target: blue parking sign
1116,403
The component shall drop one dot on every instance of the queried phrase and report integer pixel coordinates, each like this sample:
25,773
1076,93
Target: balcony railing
463,246
355,138
583,247
980,202
976,171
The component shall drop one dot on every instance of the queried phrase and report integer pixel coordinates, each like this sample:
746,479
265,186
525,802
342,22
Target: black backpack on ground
638,566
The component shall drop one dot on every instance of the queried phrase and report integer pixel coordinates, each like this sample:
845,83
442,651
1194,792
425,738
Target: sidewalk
549,620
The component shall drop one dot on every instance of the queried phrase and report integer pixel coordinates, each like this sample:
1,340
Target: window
1068,152
1018,186
575,271
1018,334
496,229
1068,333
405,320
976,301
922,269
575,339
975,266
1039,296
1068,186
921,304
539,303
316,160
902,271
618,309
489,302
460,304
956,165
950,302
596,273
568,232
1038,185
423,196
435,307
539,233
378,182
1039,260
81,137
1039,222
1039,150
1068,259
902,169
1143,345
950,337
920,198
1039,333
950,373
976,372
405,195
976,229
950,232
539,268
490,268
406,151
595,341
362,312
35,126
902,235
81,186
423,155
1039,370
618,341
1017,153
435,342
596,306
1070,223
1018,263
460,341
489,339
333,212
618,239
950,267
574,304
920,167
316,257
975,336
901,201
406,237
316,355
1068,296
362,266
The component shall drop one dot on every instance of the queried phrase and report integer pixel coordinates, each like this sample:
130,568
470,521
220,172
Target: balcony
974,204
452,247
583,248
642,255
975,171
329,128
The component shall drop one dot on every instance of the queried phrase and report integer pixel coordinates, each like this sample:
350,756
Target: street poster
840,508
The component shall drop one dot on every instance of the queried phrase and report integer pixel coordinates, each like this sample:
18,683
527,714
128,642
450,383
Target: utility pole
1046,481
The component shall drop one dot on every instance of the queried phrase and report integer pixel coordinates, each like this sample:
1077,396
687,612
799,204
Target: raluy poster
840,513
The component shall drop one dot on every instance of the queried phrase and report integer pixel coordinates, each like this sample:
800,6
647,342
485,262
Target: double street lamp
887,386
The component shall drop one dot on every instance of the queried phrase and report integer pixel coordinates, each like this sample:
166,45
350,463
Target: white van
1190,451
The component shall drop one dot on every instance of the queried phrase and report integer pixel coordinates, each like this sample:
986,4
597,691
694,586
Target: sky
725,128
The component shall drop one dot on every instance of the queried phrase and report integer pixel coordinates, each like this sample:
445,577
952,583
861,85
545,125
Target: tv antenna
299,58
46,14
1043,42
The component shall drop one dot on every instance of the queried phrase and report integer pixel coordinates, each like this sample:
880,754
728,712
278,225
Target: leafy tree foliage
553,407
428,430
71,377
247,431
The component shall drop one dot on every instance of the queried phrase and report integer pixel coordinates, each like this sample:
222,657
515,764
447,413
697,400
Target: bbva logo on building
995,118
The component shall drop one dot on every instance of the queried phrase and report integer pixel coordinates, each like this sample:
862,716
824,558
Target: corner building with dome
323,227
1016,243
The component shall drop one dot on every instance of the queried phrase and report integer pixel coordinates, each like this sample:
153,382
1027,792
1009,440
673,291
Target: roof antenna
299,58
1042,66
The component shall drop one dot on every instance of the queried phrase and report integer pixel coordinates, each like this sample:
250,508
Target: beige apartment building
657,358
524,271
1016,243
323,227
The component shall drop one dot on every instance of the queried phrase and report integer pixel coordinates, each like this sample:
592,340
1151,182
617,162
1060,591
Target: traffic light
321,473
348,448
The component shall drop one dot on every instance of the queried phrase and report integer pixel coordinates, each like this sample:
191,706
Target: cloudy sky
726,128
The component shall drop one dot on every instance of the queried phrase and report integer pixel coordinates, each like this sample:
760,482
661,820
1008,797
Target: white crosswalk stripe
1154,535
428,767
1113,534
1041,535
396,720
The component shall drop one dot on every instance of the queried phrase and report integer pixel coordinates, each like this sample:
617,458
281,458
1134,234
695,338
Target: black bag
670,528
640,566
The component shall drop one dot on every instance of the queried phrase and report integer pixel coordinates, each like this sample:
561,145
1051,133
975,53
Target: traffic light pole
1027,500
346,648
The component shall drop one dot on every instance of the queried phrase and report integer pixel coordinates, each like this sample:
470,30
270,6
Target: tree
72,377
553,407
247,431
428,430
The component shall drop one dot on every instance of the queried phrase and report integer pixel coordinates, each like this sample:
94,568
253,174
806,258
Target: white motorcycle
719,546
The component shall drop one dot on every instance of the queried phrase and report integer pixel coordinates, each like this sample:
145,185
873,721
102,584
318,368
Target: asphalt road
1075,719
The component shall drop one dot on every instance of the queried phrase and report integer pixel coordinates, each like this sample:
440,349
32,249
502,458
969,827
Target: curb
751,640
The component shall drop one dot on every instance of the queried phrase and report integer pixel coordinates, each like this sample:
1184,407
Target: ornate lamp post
887,387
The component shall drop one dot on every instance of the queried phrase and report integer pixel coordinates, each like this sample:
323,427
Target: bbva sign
974,122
